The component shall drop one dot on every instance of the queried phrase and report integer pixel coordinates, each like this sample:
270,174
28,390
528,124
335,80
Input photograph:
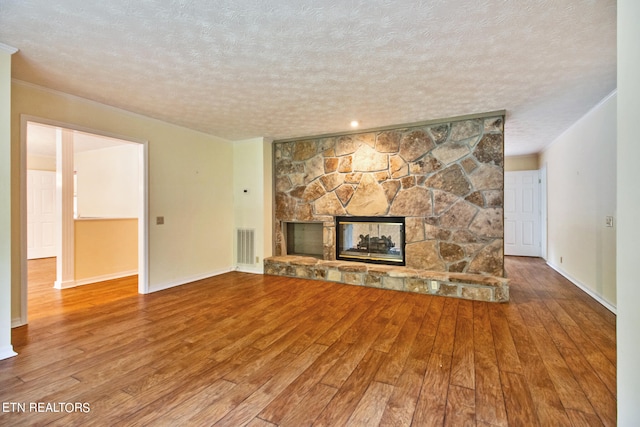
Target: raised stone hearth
460,285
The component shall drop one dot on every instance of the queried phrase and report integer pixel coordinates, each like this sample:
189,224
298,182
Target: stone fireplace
444,178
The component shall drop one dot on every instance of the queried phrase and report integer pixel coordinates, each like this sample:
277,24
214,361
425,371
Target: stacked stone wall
446,179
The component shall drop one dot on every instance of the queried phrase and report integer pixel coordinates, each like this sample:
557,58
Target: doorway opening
101,198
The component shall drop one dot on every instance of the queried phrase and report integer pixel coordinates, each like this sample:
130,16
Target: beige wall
189,174
521,163
105,248
581,192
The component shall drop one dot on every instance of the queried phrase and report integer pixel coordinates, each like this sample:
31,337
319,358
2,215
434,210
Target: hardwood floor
242,349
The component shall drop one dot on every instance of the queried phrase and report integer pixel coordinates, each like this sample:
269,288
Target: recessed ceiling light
355,123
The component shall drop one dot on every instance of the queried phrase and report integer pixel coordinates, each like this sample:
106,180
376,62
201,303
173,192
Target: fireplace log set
379,245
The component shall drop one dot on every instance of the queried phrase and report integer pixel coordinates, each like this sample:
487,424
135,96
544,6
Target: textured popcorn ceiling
290,68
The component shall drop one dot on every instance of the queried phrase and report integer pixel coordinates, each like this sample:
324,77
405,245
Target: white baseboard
7,352
597,297
106,277
167,285
251,269
94,279
64,285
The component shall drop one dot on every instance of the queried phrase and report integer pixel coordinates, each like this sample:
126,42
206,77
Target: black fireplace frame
400,220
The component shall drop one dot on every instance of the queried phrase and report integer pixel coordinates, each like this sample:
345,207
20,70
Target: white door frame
143,223
543,211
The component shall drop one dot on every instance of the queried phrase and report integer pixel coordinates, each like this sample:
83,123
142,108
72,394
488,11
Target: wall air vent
245,238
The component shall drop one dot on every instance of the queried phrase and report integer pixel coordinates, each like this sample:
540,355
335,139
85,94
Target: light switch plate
608,220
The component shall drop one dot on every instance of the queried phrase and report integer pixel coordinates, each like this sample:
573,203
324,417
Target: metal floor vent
246,245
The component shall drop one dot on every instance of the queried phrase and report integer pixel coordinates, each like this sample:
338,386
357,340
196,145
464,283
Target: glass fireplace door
370,239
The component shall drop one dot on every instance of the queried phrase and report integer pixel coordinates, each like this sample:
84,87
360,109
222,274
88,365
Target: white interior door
522,213
41,214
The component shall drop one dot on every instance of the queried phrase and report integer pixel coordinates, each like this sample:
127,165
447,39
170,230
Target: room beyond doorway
102,192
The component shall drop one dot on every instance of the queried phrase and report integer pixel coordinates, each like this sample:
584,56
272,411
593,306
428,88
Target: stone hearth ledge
477,287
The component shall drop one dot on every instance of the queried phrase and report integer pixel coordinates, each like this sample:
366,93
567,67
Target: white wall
252,172
628,322
581,192
108,182
6,349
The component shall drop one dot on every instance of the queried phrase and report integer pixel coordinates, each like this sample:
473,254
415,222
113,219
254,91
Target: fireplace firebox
378,240
304,238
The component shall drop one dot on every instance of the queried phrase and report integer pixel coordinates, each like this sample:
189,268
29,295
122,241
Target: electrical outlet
257,259
159,220
608,221
433,284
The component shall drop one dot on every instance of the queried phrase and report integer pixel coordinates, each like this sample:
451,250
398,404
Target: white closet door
522,213
41,214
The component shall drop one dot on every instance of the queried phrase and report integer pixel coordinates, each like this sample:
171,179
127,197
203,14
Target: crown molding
8,49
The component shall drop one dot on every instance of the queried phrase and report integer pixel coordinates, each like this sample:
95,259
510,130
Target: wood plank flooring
242,349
